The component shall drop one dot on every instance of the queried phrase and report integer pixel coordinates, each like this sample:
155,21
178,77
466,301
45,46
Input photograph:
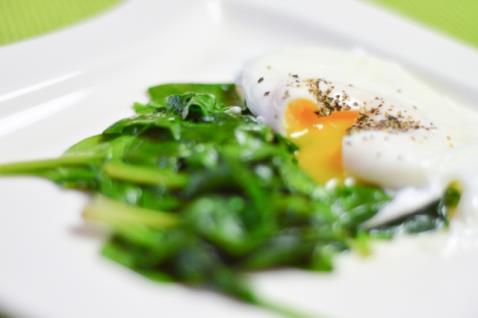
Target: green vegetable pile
196,191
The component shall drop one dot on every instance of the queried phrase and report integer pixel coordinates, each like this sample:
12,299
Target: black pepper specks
373,114
286,94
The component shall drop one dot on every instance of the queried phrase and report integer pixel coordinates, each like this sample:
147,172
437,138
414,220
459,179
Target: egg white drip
415,166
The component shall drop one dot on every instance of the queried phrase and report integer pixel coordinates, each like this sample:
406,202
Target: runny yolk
319,138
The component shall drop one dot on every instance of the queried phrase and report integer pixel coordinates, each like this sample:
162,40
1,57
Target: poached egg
358,117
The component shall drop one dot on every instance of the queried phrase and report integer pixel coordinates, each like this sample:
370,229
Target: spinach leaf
223,93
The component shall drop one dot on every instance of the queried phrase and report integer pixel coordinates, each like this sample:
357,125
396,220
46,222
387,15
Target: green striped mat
458,18
21,19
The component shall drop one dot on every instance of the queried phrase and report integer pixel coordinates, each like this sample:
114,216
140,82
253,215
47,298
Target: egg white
415,166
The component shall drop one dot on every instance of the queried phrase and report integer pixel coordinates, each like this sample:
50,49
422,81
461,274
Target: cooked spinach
196,191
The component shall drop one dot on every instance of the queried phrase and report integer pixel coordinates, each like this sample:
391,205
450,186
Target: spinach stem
118,214
29,167
145,175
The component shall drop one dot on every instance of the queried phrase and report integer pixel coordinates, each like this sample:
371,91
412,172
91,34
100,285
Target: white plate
59,88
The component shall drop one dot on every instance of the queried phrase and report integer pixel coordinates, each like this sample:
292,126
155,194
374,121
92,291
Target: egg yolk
319,138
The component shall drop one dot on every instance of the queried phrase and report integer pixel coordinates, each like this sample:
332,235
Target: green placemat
21,19
458,18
